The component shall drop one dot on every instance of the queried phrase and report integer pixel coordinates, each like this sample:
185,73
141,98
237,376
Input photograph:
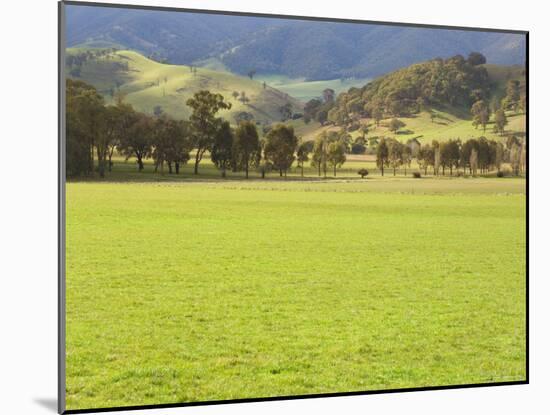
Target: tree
302,155
523,157
322,116
499,156
108,137
406,156
377,115
204,123
336,154
222,148
500,121
85,113
319,155
395,154
171,144
286,111
466,151
251,73
483,154
476,58
481,114
246,146
235,95
139,139
382,155
515,158
310,109
425,157
450,155
437,159
328,95
473,161
512,99
395,125
281,142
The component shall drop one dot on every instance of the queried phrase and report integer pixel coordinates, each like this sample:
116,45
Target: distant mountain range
299,49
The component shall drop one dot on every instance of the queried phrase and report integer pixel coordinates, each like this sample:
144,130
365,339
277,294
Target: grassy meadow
305,90
182,291
189,288
420,126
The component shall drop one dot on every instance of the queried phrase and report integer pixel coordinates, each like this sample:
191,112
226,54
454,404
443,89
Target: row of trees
474,155
96,130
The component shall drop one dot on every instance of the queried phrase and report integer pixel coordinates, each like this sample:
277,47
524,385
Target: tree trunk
139,162
335,170
382,170
111,160
280,172
302,170
177,164
246,170
169,167
197,161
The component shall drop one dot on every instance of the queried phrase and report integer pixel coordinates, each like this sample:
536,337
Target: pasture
305,90
187,290
443,127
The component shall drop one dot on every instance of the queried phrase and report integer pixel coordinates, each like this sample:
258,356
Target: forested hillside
453,85
313,50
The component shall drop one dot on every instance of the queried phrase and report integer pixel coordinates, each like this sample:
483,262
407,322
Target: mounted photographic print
259,207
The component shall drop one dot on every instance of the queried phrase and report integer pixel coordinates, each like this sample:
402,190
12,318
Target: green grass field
186,290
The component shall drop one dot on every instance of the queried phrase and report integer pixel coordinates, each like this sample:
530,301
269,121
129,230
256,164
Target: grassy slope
140,85
186,292
306,90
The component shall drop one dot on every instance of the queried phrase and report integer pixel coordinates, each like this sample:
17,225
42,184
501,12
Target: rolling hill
313,50
448,121
146,84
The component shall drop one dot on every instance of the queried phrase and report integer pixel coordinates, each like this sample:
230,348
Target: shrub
363,173
358,148
353,127
417,175
500,174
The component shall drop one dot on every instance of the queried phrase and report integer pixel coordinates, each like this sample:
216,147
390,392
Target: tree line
96,130
473,156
